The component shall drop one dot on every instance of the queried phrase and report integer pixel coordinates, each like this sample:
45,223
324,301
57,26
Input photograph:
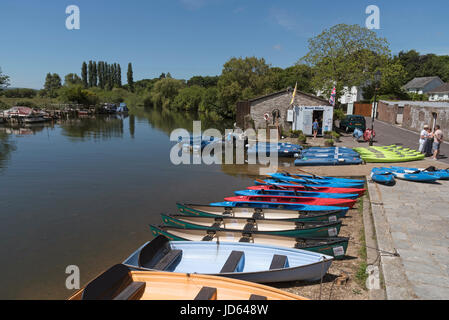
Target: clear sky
194,37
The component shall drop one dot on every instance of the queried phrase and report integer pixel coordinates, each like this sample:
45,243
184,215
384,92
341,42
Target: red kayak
360,192
302,200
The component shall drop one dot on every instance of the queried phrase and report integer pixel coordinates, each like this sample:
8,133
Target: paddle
305,187
271,184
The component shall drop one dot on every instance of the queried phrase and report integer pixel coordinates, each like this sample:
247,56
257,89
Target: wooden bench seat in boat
168,260
279,262
233,262
257,297
159,255
207,293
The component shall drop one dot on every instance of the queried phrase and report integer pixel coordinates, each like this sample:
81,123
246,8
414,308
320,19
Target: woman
315,128
422,138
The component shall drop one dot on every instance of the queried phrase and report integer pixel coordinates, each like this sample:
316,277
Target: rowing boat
121,283
294,193
293,200
273,185
243,261
318,182
331,246
258,213
271,227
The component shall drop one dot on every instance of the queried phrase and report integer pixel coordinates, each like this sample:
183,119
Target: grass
361,274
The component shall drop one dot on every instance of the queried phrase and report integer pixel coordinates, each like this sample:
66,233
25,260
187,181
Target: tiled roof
441,89
418,83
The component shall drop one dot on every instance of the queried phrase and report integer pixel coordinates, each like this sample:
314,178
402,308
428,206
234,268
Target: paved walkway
413,219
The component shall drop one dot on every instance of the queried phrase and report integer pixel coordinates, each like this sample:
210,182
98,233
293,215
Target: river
83,191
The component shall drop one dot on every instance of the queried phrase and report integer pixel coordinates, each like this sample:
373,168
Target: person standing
422,138
437,139
315,128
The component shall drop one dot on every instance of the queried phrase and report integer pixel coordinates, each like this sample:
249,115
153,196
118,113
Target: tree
164,92
241,79
201,81
4,80
84,74
417,65
189,98
94,74
72,79
76,94
119,76
130,77
52,84
345,55
283,78
90,74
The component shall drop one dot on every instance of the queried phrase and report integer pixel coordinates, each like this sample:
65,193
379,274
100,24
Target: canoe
331,246
281,149
389,154
271,227
314,178
308,161
276,205
318,182
442,174
274,185
121,283
259,213
243,261
403,175
381,177
294,193
293,200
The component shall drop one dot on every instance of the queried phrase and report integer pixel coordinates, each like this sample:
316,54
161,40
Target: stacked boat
389,154
281,149
281,229
331,156
387,176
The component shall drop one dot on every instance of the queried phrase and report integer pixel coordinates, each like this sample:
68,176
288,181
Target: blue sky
194,37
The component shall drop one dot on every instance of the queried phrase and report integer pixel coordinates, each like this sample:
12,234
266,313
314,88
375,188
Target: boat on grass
273,227
121,283
237,260
331,246
259,213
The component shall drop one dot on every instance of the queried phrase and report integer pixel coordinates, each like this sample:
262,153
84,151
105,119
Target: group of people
430,141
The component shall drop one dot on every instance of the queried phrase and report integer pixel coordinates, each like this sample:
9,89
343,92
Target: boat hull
288,193
273,185
292,200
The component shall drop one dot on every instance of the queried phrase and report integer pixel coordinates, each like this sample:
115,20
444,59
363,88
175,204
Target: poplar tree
94,74
84,74
130,77
90,73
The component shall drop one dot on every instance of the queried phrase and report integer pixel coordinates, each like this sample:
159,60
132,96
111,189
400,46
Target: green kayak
389,154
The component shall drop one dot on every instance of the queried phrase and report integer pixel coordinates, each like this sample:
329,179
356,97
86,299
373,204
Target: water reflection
93,127
6,148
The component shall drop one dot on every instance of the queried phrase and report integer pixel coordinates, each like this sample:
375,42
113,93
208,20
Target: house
423,85
351,96
440,93
275,108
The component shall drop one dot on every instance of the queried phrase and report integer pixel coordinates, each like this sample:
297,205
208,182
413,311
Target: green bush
329,142
339,114
296,133
302,139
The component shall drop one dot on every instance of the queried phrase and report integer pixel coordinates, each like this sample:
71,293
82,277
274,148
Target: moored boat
294,193
121,283
331,246
243,261
272,227
259,213
276,185
293,199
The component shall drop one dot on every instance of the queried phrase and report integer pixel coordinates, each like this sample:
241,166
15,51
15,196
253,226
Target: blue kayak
277,205
245,261
440,174
327,161
306,183
315,178
331,150
330,182
382,177
297,194
404,175
282,149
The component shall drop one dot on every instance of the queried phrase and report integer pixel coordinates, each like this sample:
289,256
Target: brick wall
387,113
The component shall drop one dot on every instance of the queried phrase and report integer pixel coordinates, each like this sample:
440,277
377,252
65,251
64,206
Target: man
422,138
437,139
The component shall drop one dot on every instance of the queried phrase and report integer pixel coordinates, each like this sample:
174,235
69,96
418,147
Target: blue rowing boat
321,181
276,205
244,261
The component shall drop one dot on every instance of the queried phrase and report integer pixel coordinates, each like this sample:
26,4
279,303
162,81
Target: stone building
413,115
276,106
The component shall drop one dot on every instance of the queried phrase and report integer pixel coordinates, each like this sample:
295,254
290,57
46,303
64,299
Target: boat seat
235,259
279,262
257,297
207,293
249,227
258,215
172,257
216,225
245,239
132,292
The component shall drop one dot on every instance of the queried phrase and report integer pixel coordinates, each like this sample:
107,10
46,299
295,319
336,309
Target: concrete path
412,219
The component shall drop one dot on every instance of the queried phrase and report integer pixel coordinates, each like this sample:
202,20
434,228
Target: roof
274,94
441,89
421,82
434,104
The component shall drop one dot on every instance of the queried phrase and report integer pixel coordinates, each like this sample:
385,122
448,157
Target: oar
302,185
271,184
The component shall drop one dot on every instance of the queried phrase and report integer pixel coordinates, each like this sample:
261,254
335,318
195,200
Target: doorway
434,120
318,115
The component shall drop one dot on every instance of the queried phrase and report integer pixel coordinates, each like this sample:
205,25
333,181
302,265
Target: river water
83,192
